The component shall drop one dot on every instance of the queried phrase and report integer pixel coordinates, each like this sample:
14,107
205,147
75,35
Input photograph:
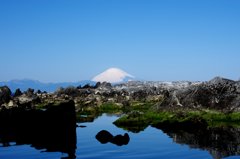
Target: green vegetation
110,108
41,106
208,118
140,114
88,114
116,108
141,106
134,122
46,105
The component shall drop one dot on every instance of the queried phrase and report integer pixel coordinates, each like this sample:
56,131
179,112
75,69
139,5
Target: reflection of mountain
53,129
220,142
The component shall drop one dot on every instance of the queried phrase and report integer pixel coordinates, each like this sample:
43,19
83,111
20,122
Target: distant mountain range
37,85
111,75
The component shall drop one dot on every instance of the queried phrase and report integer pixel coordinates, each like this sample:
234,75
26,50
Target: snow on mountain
113,75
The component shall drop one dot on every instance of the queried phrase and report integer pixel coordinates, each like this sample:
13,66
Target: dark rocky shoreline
45,120
53,129
218,94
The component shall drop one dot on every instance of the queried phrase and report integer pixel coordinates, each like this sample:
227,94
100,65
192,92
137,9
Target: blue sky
55,40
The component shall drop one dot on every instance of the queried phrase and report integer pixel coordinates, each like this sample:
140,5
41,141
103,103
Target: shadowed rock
120,140
53,129
17,93
5,95
104,137
219,94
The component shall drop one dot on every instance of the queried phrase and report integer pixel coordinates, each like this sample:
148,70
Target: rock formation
5,95
218,93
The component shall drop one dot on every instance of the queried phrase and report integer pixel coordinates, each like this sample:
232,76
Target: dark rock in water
17,93
53,129
5,95
121,140
104,137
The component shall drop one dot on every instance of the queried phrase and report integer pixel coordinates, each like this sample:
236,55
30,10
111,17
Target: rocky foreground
218,94
203,115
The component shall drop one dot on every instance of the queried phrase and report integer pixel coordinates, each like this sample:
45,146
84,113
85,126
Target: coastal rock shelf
218,94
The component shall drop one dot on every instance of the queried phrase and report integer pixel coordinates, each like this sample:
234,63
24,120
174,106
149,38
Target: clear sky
73,40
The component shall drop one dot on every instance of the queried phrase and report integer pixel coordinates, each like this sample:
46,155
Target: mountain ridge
24,84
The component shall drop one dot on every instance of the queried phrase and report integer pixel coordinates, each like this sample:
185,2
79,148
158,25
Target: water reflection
53,130
104,137
220,142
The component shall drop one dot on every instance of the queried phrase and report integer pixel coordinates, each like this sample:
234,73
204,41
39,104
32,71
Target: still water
149,143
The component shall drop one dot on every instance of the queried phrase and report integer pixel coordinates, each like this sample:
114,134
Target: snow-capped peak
113,75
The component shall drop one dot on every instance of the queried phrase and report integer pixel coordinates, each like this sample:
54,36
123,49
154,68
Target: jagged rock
98,84
71,91
106,85
39,92
218,93
29,92
17,93
87,86
5,95
220,80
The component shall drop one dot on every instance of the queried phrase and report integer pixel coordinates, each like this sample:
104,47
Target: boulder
104,137
121,140
5,95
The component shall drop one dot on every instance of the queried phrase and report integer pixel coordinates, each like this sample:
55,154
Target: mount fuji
113,75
